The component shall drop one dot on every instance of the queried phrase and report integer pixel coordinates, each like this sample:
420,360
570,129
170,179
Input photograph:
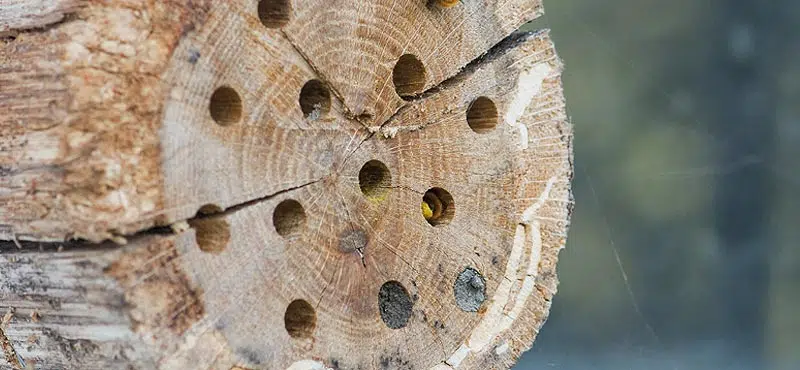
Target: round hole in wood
315,99
375,180
438,207
212,231
300,319
226,106
482,115
470,290
409,76
395,304
289,218
274,13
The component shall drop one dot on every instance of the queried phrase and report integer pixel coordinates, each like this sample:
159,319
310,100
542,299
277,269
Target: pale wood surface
17,15
107,132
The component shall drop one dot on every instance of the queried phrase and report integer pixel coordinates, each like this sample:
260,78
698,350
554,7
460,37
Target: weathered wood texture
317,218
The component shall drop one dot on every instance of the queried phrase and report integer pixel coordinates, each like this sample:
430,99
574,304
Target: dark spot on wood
221,324
250,355
334,363
194,56
495,260
54,303
352,240
395,362
395,304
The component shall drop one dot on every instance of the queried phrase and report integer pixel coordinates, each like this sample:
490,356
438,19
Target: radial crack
238,207
499,50
348,113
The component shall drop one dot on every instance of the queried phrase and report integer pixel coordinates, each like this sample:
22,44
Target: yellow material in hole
427,212
447,3
432,207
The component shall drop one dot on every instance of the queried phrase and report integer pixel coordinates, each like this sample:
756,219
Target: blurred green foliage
687,139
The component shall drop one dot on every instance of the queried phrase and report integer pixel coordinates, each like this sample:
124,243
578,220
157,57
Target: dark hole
374,180
226,106
274,13
212,231
470,290
395,305
315,99
482,115
409,76
289,218
438,207
300,319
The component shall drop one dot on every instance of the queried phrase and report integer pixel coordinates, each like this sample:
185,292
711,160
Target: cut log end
375,186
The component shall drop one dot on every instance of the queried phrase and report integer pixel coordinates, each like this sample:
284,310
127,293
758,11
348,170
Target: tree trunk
188,184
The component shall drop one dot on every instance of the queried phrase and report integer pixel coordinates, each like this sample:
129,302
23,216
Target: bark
266,166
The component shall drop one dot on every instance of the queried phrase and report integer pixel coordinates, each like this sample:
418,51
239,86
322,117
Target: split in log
297,184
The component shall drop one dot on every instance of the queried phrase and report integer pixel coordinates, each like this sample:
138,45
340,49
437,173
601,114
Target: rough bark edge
21,15
92,168
139,294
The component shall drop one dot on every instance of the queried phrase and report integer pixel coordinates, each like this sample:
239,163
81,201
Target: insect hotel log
276,184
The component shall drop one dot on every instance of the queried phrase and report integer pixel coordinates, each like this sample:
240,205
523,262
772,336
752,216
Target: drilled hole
395,304
226,106
446,3
289,218
482,115
409,76
438,207
212,231
274,13
300,319
375,180
470,290
315,99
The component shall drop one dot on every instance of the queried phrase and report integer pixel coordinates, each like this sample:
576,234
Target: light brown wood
281,206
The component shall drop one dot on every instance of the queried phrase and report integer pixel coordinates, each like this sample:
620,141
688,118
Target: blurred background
684,250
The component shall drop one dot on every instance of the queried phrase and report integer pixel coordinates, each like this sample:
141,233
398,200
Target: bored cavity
409,76
212,231
274,13
225,106
395,304
289,218
315,100
300,319
470,290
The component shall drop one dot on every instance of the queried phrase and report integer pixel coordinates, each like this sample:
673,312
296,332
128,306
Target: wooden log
281,206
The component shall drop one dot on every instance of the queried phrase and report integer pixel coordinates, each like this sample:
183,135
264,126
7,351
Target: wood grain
268,181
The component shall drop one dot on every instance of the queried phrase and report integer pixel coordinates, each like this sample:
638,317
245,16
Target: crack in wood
12,246
348,113
238,207
502,48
